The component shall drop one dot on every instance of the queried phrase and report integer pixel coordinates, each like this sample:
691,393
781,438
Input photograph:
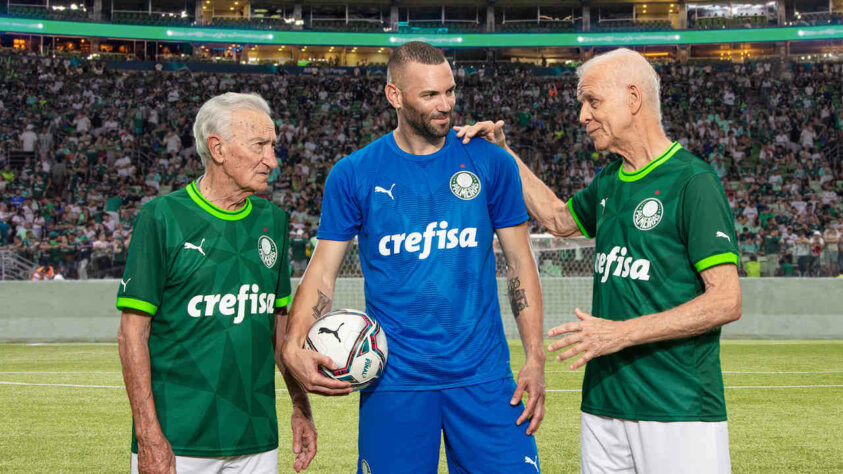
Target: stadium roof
211,35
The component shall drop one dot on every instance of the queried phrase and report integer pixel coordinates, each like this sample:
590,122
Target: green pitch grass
63,409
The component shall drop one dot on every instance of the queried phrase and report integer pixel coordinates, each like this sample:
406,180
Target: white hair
214,118
629,67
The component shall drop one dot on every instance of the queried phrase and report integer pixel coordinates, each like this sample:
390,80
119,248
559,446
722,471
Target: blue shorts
400,432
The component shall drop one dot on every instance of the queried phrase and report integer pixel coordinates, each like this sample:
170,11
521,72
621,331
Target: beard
422,124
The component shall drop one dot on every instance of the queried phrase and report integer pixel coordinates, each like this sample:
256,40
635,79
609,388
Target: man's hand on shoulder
490,131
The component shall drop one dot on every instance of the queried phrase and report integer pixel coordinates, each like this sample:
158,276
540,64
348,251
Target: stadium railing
14,267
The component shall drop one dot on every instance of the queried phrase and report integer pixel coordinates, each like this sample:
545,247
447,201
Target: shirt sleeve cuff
511,222
715,260
334,236
577,219
282,302
139,305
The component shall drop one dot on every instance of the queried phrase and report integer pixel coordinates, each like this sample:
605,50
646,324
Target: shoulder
610,169
485,149
166,207
605,175
688,166
367,155
264,205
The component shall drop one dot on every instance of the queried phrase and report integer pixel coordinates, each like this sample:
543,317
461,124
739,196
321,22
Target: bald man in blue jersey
425,209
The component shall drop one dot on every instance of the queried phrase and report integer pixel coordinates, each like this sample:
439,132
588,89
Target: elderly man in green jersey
665,281
204,297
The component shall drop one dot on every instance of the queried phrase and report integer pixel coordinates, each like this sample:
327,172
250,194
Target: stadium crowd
100,142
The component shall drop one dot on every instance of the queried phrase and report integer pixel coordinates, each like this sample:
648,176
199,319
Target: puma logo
534,463
189,246
603,203
335,332
721,234
379,189
124,283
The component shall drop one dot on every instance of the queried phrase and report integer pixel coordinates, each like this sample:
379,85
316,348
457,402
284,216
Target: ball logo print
267,251
354,341
648,213
465,185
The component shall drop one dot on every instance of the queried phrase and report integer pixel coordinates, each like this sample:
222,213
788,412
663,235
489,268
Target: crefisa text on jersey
625,267
259,303
446,239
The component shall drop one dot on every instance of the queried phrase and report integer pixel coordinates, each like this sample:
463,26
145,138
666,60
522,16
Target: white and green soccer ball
354,341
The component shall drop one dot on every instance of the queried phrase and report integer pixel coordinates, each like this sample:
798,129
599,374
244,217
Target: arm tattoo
321,305
517,296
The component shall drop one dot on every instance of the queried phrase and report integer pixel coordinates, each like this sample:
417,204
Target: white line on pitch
60,385
783,386
58,372
783,372
733,387
737,387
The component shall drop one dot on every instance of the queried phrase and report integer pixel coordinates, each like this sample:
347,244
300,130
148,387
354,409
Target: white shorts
258,463
612,445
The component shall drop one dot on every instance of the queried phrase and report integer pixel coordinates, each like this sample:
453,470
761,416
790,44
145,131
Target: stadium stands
630,25
720,22
83,146
67,14
542,27
151,19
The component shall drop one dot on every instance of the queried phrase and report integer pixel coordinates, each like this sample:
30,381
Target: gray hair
214,118
630,67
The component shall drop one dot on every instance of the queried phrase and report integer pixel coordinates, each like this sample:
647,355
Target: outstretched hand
590,336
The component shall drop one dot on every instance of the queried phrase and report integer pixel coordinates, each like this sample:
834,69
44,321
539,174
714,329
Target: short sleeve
341,215
505,197
706,224
583,207
144,276
284,289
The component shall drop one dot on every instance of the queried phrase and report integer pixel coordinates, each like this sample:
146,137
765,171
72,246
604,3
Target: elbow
733,310
121,337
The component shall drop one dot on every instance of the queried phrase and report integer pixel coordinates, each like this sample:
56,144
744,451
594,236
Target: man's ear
216,145
393,95
634,98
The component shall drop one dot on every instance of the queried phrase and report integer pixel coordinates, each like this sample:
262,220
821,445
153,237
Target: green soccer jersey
656,229
211,279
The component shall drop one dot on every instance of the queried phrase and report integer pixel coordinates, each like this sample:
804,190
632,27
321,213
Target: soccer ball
354,341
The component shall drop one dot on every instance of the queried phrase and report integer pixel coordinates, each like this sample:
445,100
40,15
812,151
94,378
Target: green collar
635,176
213,210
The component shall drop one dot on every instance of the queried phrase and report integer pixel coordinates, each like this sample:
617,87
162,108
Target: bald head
413,51
622,68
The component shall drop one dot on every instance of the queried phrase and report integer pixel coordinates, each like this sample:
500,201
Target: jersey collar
193,192
635,176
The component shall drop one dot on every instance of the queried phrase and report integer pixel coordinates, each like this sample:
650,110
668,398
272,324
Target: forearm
137,375
314,297
525,300
542,203
297,394
698,316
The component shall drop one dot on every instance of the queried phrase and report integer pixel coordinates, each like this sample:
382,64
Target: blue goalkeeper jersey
425,226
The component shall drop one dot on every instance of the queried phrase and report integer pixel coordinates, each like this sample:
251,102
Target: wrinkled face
249,156
604,112
427,98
